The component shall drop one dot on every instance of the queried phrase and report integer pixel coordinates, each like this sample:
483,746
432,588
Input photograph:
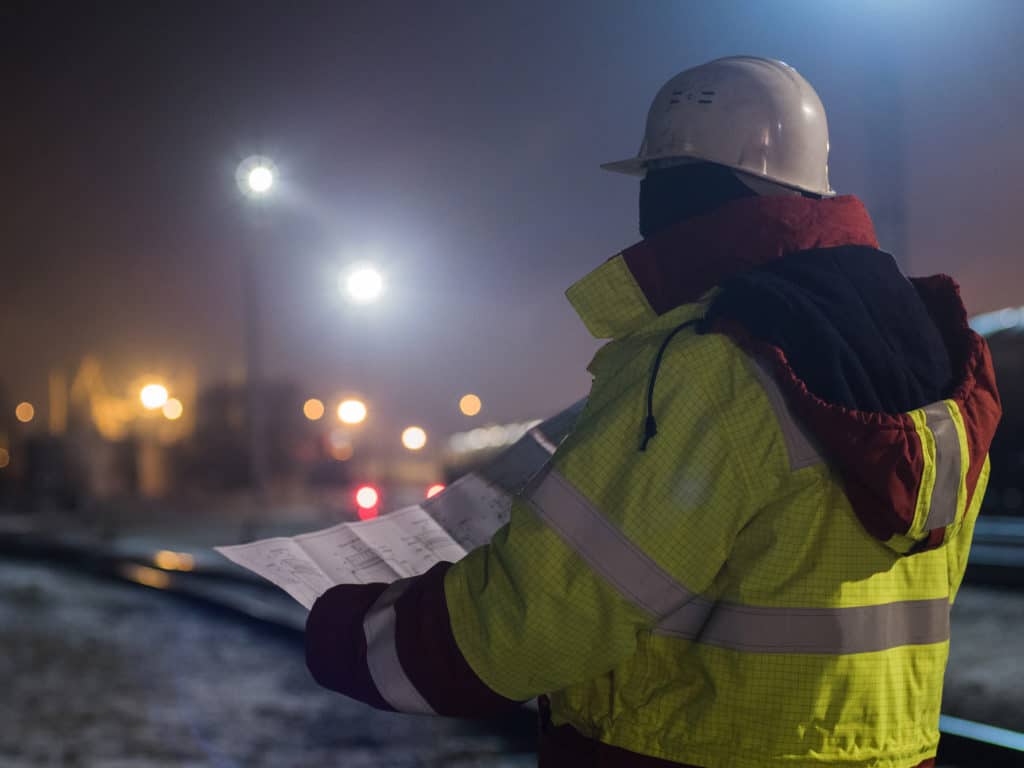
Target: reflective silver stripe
543,441
823,630
942,508
514,467
687,620
606,550
382,654
801,449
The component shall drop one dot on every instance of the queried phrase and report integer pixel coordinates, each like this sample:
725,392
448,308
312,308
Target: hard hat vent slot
705,97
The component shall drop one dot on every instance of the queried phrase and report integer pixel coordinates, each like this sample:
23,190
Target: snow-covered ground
98,675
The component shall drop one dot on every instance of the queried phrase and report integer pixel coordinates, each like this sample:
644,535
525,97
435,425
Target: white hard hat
757,116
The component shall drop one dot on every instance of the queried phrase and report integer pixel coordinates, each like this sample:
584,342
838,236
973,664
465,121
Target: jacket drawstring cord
650,425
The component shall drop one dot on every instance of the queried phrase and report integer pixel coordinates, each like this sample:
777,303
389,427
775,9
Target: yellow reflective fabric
714,507
599,299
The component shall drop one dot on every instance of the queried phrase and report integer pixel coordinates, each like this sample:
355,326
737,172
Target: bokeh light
153,396
173,561
435,489
352,411
173,409
339,445
5,457
414,438
470,405
313,409
25,412
143,574
367,497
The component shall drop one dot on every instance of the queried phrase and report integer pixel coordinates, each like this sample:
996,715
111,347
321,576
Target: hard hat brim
634,166
638,166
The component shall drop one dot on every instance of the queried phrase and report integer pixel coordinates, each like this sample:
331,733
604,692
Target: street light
363,283
260,179
255,176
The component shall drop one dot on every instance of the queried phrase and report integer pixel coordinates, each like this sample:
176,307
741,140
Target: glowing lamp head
435,489
364,285
255,176
153,396
260,179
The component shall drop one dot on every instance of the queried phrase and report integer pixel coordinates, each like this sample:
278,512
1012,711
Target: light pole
363,284
255,177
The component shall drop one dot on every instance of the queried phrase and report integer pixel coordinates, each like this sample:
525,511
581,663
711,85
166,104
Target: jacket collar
682,264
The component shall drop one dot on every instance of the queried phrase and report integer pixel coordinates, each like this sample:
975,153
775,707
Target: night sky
456,144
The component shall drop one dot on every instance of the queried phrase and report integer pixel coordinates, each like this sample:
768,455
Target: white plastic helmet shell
754,115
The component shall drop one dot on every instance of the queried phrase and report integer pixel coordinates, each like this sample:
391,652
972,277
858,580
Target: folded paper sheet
409,541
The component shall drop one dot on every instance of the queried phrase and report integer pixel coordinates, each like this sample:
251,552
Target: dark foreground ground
99,675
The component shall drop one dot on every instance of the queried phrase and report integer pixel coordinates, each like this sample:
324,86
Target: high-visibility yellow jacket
717,568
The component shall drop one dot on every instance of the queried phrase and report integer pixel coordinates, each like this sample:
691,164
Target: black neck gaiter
673,195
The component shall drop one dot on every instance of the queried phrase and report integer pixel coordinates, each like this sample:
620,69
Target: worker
745,552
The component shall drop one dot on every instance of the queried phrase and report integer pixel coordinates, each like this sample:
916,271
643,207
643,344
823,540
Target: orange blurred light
435,489
149,577
339,445
185,561
173,561
367,497
173,409
470,405
342,452
5,457
313,409
25,412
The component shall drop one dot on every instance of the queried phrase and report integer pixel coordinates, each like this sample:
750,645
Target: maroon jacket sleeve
335,644
393,648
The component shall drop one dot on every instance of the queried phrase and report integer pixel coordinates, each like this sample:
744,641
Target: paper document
409,541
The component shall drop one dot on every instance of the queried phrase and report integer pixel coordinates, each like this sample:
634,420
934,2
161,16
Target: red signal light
435,489
367,497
